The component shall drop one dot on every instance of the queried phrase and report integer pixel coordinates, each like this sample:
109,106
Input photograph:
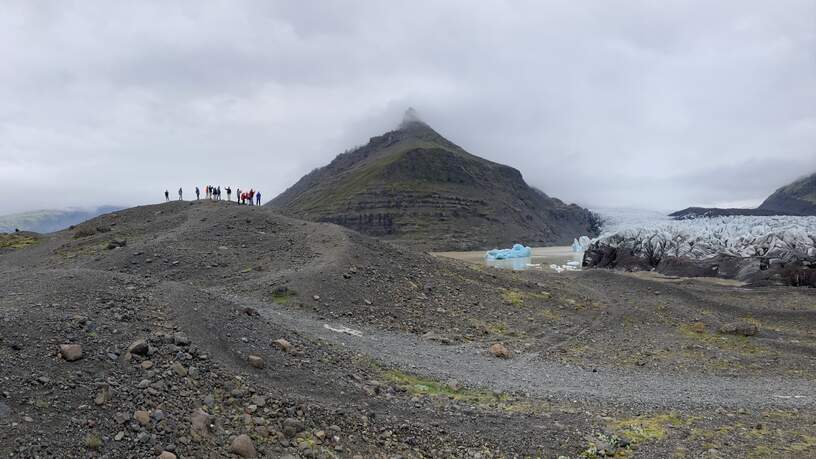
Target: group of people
251,197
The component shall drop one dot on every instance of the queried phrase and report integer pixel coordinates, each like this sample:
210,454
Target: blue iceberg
518,251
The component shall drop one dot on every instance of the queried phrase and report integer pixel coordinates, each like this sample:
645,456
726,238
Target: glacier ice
518,251
781,237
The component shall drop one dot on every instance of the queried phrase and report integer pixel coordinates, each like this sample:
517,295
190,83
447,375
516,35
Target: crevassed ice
744,236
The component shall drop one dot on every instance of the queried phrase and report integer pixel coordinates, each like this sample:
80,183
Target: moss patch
647,428
17,241
418,386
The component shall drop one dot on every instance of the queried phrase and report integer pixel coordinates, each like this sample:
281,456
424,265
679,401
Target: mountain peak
411,118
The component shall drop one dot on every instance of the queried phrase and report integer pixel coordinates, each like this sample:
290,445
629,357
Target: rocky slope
798,198
415,187
208,329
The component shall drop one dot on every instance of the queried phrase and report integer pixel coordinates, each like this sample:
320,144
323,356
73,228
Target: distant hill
798,198
413,186
47,221
704,212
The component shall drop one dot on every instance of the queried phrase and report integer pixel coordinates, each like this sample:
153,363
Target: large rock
500,350
139,347
70,352
256,361
292,427
201,423
282,344
243,446
742,328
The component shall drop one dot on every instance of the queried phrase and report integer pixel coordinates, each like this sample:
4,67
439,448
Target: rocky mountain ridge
415,187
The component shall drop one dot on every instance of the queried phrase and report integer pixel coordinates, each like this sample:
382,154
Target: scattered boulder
180,339
167,455
282,344
201,423
500,350
142,417
243,446
697,327
70,352
103,396
251,311
139,347
256,361
116,243
742,328
179,369
292,427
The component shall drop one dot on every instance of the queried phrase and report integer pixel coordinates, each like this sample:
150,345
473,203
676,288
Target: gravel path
528,374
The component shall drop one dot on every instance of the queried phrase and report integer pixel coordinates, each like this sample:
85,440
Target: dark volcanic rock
413,186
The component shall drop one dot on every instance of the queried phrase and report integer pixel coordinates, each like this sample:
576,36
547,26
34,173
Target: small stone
142,417
103,396
119,436
179,369
500,351
167,455
243,446
256,361
697,327
180,339
70,352
282,344
316,297
139,347
258,400
291,427
147,364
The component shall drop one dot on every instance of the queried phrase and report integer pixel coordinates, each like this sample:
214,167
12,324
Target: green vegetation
17,241
734,343
415,385
93,441
283,295
646,428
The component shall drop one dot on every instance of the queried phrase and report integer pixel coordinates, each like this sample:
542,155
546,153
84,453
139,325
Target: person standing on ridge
166,196
258,197
229,194
238,195
180,194
198,194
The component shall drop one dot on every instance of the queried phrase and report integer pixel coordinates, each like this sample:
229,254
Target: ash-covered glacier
778,249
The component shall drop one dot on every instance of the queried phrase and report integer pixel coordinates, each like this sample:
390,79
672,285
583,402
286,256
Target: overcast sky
655,104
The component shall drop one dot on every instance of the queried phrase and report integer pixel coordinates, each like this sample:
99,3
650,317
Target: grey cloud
658,105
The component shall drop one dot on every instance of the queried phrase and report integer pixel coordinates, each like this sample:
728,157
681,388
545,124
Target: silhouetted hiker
198,194
229,194
258,197
180,194
218,192
166,196
238,195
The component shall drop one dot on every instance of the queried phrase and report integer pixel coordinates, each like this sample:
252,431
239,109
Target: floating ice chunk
518,251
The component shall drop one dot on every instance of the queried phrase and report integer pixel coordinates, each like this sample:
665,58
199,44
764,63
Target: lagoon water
542,258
